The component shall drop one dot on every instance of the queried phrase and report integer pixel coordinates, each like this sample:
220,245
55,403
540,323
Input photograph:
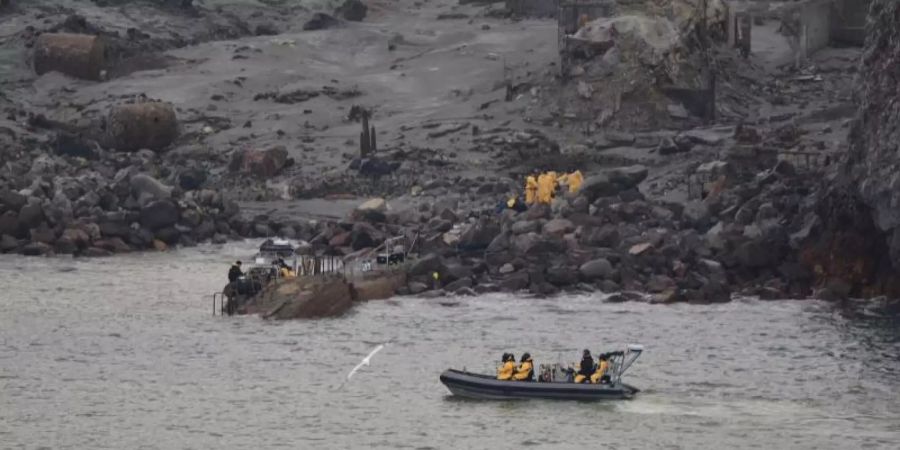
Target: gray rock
605,236
562,276
507,269
515,282
95,252
144,186
440,225
169,235
766,211
458,284
159,214
11,200
756,254
597,269
525,226
352,10
696,214
744,214
9,223
479,235
36,249
43,233
32,214
426,265
559,227
416,287
8,243
628,177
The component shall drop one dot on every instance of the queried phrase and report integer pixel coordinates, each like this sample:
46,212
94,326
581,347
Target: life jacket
505,372
602,368
525,372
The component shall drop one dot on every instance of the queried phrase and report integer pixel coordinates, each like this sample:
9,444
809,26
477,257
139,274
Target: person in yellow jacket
525,371
602,368
531,188
546,187
505,372
575,180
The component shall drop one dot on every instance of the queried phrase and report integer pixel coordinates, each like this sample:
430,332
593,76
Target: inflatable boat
554,383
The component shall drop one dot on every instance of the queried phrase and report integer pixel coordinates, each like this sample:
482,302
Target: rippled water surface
123,353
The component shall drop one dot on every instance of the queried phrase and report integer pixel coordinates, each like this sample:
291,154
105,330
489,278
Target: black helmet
526,356
504,357
587,352
238,263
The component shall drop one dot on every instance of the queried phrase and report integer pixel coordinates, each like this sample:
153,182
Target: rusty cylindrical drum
78,55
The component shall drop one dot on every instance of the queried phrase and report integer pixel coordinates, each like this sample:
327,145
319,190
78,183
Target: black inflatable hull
484,387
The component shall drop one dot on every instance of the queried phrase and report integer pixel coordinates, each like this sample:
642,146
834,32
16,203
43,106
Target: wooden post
364,139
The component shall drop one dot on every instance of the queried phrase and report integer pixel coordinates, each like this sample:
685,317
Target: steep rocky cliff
860,242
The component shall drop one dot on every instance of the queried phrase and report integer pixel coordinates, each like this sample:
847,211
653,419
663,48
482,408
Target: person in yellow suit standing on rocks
531,188
575,180
546,187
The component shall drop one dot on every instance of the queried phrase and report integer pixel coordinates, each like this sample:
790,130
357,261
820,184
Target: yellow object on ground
511,202
575,179
524,371
531,187
505,372
601,370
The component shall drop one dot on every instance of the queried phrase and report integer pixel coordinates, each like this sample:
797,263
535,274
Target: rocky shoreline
674,208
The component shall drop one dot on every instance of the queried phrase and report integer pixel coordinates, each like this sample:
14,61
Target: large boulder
562,276
605,236
756,254
627,177
352,10
11,200
597,269
144,186
479,235
426,265
159,214
9,223
515,282
32,214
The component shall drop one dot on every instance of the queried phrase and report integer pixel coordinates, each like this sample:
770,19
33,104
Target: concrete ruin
811,24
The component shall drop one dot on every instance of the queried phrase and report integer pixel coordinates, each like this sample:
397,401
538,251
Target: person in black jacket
235,272
586,368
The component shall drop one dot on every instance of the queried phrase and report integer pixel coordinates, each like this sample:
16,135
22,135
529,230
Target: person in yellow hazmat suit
505,372
531,188
546,187
602,368
575,180
525,371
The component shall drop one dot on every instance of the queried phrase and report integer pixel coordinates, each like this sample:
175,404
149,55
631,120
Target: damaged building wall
850,26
